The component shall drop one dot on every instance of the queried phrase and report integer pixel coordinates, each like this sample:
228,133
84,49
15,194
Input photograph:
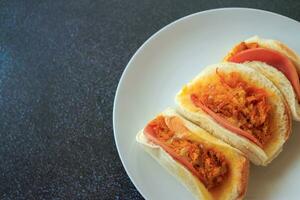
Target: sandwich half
240,106
277,62
206,166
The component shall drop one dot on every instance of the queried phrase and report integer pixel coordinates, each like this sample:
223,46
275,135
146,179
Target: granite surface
60,62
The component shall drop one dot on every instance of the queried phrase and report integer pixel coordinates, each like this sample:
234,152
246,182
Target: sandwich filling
253,52
207,164
236,105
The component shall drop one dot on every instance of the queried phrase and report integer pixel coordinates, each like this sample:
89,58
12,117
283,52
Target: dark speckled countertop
60,62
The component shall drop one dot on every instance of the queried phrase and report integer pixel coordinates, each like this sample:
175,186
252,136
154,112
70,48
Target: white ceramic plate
168,60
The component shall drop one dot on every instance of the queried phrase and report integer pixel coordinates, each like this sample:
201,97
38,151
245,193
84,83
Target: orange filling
239,104
206,164
241,47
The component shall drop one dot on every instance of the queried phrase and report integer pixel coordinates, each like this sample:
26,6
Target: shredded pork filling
239,103
210,165
241,47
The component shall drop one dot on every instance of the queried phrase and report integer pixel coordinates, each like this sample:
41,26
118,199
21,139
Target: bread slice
281,82
275,75
281,122
233,187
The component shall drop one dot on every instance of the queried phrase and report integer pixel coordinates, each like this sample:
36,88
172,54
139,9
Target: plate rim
152,37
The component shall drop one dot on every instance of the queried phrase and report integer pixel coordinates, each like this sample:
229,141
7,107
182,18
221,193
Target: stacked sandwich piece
232,112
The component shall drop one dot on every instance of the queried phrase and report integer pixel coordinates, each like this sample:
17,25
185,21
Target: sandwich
208,167
240,106
277,62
